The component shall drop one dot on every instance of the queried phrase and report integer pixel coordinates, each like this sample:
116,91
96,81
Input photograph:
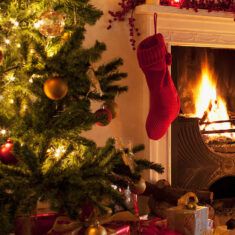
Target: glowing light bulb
59,151
12,78
18,45
11,101
7,41
3,132
16,23
38,24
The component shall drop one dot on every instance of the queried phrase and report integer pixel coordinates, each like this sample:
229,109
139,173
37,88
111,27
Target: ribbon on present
64,225
188,201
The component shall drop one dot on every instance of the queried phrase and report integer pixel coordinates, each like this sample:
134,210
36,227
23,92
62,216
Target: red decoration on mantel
128,6
212,5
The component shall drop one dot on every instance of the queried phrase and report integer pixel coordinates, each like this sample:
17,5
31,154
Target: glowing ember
209,106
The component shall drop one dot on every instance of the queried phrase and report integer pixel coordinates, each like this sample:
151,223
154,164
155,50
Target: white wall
129,125
130,122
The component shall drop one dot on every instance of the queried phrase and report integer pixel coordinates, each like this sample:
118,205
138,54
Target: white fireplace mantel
182,27
187,27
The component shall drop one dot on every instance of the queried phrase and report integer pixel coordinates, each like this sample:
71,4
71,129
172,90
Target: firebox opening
187,66
224,188
201,152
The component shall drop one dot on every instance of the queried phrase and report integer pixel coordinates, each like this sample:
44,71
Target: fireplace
182,27
203,137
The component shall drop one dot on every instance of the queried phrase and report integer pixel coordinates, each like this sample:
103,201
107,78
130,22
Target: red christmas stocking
164,100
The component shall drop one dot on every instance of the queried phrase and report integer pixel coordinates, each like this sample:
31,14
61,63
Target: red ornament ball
6,155
104,114
55,88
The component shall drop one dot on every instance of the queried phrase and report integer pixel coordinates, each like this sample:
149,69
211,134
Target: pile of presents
185,219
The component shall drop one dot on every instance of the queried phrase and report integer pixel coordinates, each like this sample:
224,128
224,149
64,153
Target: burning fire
209,106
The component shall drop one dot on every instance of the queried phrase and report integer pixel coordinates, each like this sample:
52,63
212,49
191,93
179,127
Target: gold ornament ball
96,230
138,187
52,23
55,88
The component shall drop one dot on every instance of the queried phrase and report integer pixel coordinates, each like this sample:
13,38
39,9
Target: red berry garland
212,5
126,7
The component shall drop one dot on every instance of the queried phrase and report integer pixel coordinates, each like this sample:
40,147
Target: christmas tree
48,82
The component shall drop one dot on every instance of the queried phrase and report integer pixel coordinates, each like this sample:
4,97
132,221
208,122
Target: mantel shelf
149,9
187,27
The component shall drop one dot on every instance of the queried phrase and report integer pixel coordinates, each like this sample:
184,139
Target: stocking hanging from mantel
164,107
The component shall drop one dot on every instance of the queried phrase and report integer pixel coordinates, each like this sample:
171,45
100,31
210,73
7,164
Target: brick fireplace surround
182,27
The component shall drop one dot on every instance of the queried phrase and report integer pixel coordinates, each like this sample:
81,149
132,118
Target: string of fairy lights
50,24
56,152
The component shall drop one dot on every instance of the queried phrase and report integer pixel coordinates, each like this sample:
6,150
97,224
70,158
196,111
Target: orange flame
208,101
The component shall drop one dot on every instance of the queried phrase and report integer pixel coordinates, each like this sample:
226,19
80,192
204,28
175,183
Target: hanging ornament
138,187
6,155
51,23
105,114
55,88
96,230
1,57
95,84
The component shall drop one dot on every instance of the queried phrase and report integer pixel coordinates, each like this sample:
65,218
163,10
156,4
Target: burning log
205,115
214,122
217,131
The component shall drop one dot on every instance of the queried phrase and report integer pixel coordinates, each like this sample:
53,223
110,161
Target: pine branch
143,164
13,171
138,148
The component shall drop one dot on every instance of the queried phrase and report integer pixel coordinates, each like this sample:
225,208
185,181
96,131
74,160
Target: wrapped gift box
188,222
35,225
152,226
